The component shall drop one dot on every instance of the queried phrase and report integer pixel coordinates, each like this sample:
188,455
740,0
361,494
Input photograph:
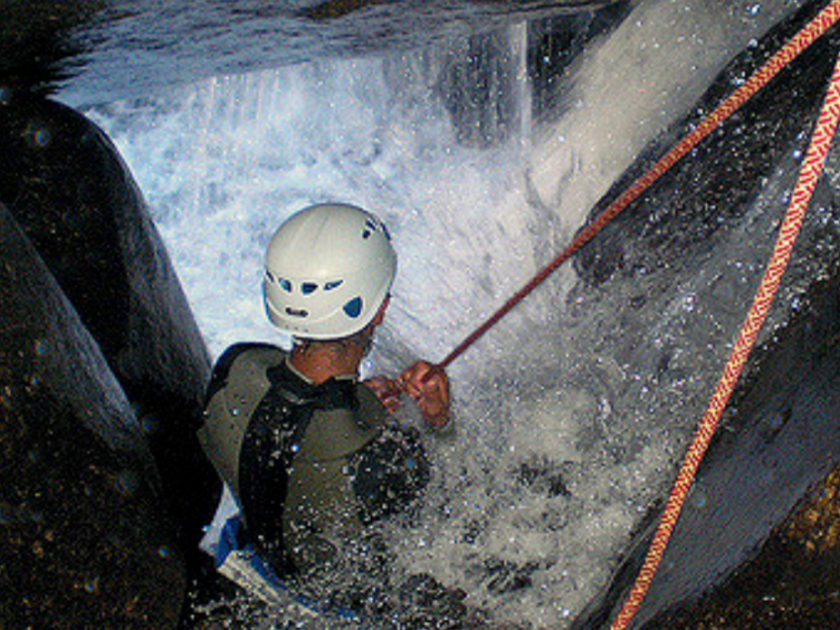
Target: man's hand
387,390
428,385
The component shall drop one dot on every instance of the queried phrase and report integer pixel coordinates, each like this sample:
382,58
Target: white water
223,162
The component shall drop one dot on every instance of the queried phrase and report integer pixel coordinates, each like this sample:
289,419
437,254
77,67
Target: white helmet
328,269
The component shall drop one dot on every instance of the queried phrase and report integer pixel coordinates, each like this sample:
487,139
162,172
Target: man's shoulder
246,359
250,351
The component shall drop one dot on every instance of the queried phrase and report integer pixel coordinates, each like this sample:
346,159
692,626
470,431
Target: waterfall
533,500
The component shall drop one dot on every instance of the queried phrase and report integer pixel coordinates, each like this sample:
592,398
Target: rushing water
561,445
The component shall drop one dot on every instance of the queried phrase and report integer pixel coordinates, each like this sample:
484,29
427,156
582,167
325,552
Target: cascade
572,413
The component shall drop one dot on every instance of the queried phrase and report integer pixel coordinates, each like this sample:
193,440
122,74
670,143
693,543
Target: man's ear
380,314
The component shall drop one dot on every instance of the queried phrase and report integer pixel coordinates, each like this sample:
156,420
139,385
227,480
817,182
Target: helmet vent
370,228
286,285
307,288
353,308
297,312
329,286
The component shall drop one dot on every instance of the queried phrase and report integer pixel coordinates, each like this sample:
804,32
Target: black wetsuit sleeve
389,473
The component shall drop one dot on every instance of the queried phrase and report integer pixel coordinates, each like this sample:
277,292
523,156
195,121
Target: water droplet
38,136
6,398
149,423
41,347
775,420
163,551
754,9
127,482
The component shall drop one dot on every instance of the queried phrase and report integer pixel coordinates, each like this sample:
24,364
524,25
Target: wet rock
82,538
794,582
508,577
779,436
689,212
35,49
542,476
67,187
333,9
478,88
780,440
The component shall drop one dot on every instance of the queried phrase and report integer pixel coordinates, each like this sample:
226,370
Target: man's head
328,272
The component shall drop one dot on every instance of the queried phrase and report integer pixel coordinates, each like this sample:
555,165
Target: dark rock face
685,214
759,530
780,436
785,440
82,539
793,583
102,50
36,49
83,251
102,369
66,186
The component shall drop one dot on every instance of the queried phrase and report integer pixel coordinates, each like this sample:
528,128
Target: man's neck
320,362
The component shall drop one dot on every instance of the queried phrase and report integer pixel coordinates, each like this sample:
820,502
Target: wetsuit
309,464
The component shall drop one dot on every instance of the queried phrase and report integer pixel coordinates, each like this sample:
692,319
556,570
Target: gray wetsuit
310,465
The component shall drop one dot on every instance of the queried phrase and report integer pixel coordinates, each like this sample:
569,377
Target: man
311,455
